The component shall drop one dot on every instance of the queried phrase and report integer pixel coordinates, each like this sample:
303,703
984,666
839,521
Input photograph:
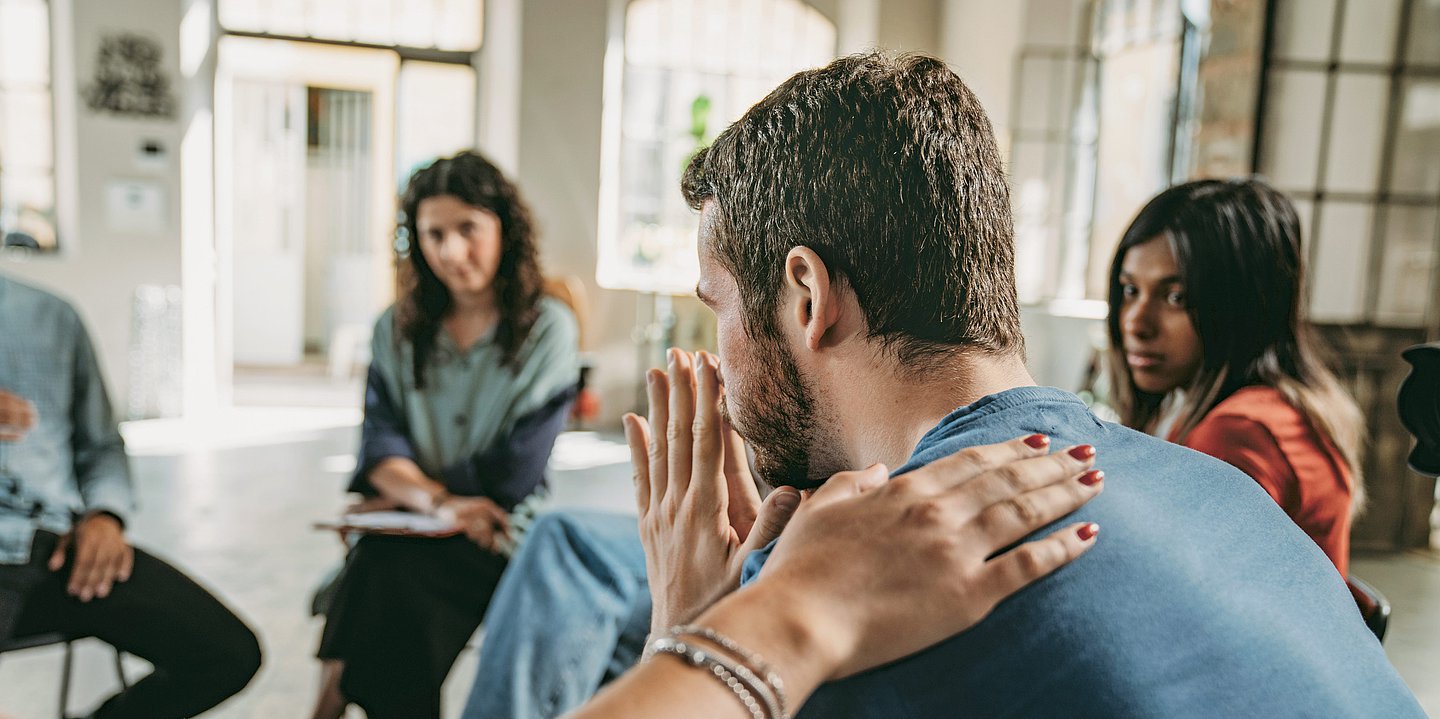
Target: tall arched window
688,69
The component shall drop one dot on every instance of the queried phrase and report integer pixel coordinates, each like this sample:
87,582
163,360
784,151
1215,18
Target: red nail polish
1087,532
1083,452
1037,441
1092,478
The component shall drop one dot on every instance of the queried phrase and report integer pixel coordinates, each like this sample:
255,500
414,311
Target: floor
1411,581
236,514
235,511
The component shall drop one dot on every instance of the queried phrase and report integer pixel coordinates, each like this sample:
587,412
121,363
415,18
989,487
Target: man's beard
777,416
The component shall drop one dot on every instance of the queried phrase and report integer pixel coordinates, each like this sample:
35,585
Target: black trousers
202,652
402,612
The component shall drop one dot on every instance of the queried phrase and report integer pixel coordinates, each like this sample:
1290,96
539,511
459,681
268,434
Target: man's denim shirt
72,461
1201,599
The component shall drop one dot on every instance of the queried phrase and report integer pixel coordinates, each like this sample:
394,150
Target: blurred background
212,183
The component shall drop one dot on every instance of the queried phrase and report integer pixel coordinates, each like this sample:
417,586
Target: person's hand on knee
17,417
103,558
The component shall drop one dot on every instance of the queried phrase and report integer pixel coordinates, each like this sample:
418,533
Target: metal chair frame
45,640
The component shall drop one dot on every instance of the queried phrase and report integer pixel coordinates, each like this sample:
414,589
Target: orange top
1264,436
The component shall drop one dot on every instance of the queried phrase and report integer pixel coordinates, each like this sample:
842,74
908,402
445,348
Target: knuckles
972,456
1022,508
926,513
905,484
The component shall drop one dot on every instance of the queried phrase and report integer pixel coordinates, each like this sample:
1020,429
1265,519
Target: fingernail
1083,452
787,501
1037,441
670,358
1087,531
1092,478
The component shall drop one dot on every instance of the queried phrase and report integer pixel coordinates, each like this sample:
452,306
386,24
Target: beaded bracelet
741,681
771,677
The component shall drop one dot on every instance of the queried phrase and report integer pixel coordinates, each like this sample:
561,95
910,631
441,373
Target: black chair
16,644
1374,607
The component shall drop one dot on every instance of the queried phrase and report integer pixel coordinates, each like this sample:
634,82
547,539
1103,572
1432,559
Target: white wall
98,269
911,26
981,40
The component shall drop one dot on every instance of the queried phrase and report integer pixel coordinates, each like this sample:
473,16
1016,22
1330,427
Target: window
690,67
1052,151
27,136
447,25
1097,103
1362,169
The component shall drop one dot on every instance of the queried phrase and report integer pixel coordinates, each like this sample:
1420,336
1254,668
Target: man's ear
813,302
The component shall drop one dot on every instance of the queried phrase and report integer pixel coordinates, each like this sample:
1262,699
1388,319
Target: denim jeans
571,612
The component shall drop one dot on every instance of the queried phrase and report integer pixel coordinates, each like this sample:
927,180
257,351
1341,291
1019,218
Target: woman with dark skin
1210,348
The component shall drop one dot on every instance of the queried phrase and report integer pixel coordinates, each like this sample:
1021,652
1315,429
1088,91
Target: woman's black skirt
402,611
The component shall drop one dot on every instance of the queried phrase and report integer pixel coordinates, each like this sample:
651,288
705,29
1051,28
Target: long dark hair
1237,243
425,301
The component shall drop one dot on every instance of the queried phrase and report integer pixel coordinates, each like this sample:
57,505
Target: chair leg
65,680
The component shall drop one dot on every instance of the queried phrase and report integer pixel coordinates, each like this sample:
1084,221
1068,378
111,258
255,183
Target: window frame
1381,201
64,170
612,271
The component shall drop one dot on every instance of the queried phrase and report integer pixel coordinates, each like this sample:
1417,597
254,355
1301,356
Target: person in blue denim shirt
856,246
65,497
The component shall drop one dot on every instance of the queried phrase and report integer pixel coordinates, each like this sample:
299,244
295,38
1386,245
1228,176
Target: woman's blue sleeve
384,433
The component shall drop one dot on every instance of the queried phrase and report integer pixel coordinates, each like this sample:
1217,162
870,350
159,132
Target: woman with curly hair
472,375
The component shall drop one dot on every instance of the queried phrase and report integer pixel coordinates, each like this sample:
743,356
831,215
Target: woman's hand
482,520
700,513
373,504
871,571
881,569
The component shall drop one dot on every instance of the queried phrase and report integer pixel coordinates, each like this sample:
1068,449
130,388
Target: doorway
305,147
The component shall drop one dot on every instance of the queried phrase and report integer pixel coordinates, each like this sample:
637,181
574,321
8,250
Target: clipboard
397,524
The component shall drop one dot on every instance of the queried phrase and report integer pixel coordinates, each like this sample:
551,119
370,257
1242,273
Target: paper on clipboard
401,523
